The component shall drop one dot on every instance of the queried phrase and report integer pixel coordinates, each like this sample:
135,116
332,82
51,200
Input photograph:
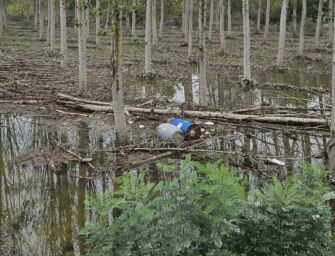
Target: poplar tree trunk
52,24
294,18
41,20
246,33
302,28
186,15
82,32
267,20
148,38
202,57
318,25
211,20
133,20
154,23
259,12
161,23
97,24
331,21
229,17
190,31
63,41
117,88
282,34
222,35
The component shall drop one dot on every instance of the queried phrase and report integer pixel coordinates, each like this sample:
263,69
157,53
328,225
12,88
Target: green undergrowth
203,209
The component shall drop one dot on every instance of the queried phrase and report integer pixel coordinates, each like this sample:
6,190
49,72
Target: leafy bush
203,210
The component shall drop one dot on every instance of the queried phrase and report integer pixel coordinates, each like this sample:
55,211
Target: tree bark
229,17
190,31
302,28
97,24
246,33
318,24
331,145
161,23
117,88
267,20
202,56
82,47
63,41
41,20
133,21
154,23
331,21
211,20
186,17
282,34
148,38
52,24
259,12
35,15
87,18
1,19
49,22
294,18
222,34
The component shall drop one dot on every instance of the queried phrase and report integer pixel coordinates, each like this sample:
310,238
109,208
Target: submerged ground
41,213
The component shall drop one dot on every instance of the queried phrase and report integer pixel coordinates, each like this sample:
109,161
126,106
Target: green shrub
203,210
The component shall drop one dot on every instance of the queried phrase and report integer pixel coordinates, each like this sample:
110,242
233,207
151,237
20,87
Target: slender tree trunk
318,24
107,18
246,33
117,88
161,23
87,18
1,18
187,12
294,18
331,145
259,13
190,31
127,21
35,15
267,20
82,32
211,20
133,20
222,34
97,24
229,17
41,20
154,23
49,22
52,24
148,39
202,57
205,11
302,28
63,41
282,34
331,21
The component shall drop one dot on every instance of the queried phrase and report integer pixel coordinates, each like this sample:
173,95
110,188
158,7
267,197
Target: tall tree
318,24
331,145
211,21
97,23
35,15
294,18
1,18
161,23
41,20
202,56
133,20
259,13
331,21
229,17
148,38
87,18
302,28
82,47
222,34
117,88
63,41
187,12
154,22
52,24
267,20
246,33
190,31
282,34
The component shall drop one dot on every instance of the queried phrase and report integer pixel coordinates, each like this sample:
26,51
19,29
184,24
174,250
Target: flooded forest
104,104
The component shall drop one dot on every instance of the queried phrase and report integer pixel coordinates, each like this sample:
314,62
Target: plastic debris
190,131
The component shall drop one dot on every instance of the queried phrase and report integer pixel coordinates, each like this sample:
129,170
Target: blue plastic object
182,124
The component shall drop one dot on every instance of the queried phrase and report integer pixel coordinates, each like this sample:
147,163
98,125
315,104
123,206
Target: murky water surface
42,213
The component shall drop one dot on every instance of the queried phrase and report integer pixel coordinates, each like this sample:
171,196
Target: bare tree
282,34
154,22
133,20
202,56
190,31
41,20
246,33
318,25
117,88
331,145
302,28
49,22
267,20
147,57
229,17
87,18
259,13
161,23
35,15
211,20
187,12
294,18
82,47
1,19
331,21
97,23
63,41
52,24
222,34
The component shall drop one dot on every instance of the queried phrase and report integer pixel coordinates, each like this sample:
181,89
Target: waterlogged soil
41,213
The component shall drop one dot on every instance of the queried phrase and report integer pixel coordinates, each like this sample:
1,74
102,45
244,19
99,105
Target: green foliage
203,210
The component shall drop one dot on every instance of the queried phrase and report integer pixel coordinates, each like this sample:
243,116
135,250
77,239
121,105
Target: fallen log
283,86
